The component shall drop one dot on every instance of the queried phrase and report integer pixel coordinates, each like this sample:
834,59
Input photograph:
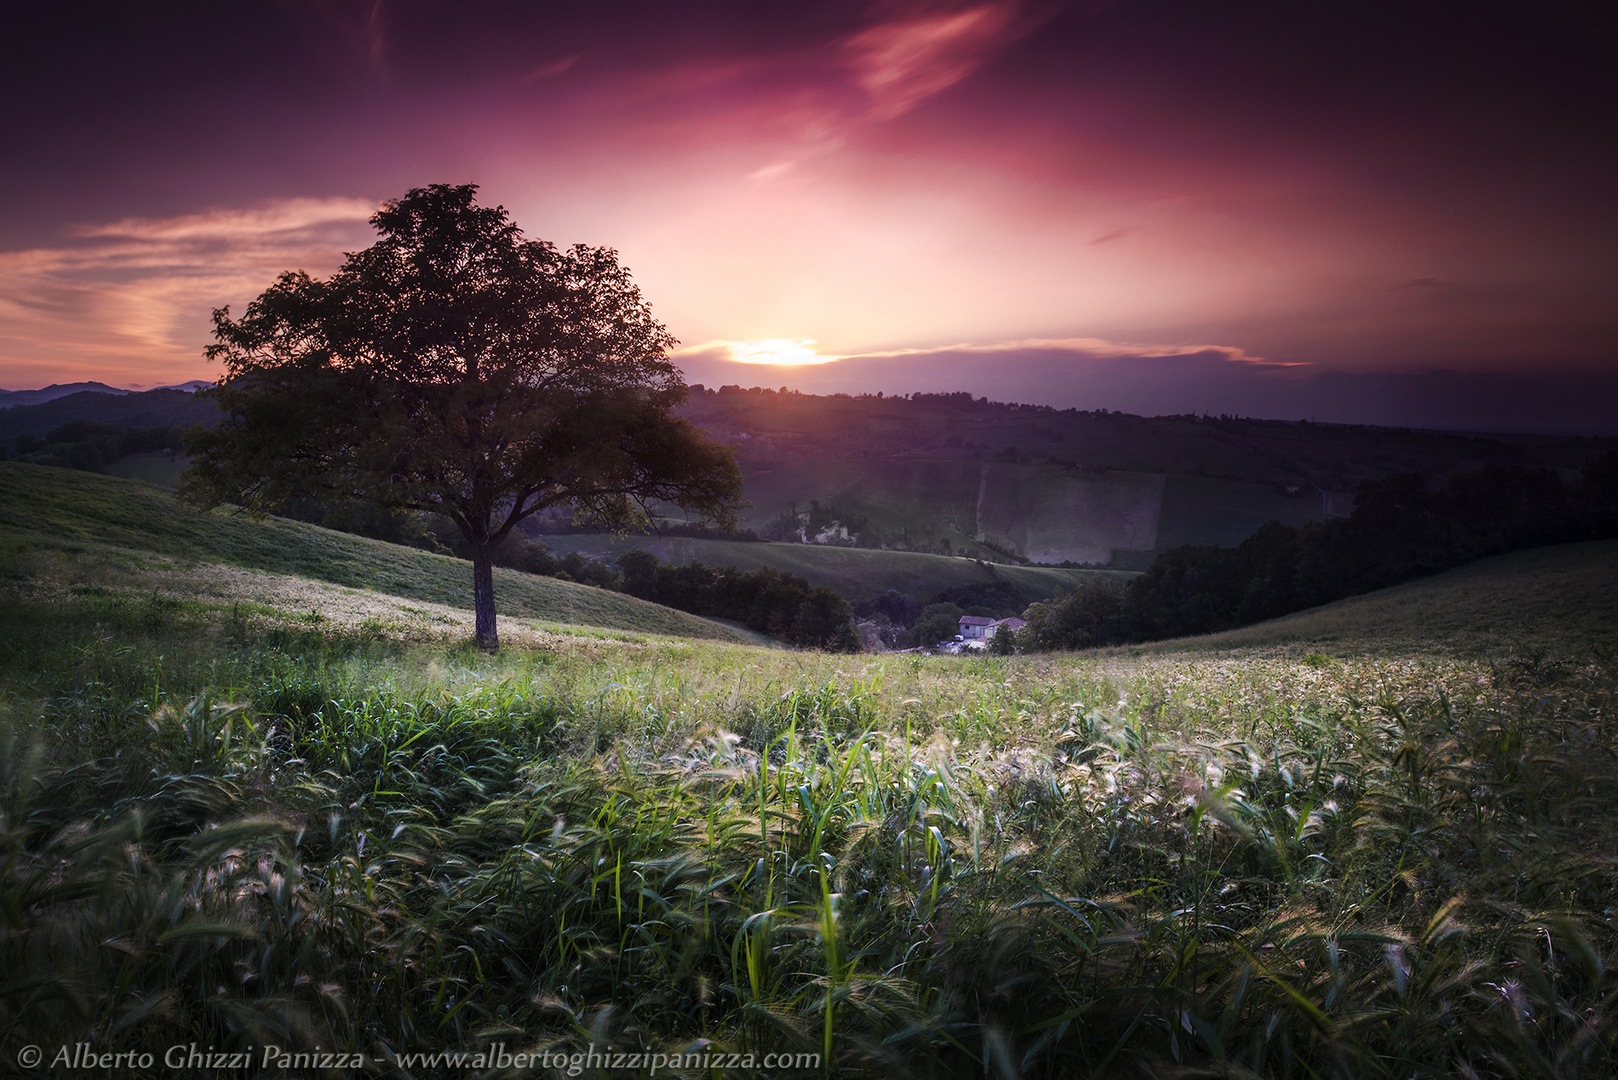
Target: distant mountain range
132,409
12,398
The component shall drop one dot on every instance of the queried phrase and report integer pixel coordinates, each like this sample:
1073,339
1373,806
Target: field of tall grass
234,825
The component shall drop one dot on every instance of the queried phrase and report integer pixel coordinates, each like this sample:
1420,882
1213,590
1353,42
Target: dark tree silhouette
458,368
768,599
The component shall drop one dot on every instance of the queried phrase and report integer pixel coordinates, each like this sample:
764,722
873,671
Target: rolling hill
1007,482
125,535
151,408
126,531
12,398
1561,599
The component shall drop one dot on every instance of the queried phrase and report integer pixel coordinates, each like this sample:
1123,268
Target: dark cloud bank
1572,403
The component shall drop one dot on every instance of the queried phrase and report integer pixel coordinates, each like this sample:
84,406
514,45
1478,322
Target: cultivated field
1331,852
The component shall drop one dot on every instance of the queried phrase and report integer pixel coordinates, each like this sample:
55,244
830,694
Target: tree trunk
483,596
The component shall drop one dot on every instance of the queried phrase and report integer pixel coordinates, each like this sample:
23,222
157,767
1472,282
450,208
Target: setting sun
788,353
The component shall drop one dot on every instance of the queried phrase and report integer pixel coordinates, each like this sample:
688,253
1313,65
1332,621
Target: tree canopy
768,599
459,368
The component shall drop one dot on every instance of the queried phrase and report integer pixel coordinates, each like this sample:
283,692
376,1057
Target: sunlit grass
288,818
254,828
58,525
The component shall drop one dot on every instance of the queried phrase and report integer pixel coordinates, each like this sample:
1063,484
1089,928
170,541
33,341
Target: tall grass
1200,866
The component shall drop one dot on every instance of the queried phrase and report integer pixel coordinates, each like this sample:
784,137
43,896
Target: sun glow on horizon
782,352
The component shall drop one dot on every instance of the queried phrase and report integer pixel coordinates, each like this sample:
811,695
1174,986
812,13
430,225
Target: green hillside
999,482
85,513
856,573
157,467
947,473
1558,599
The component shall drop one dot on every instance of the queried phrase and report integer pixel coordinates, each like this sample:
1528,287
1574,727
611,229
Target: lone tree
458,368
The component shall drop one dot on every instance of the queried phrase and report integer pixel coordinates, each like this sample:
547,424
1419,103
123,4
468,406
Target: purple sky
1382,212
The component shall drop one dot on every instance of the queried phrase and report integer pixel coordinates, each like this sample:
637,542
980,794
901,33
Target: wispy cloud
809,102
132,297
902,61
1099,348
235,224
352,34
552,69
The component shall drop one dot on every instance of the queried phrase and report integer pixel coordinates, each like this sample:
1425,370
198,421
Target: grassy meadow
1538,601
103,532
1337,851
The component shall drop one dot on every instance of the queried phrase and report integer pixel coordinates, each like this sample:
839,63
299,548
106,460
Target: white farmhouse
975,627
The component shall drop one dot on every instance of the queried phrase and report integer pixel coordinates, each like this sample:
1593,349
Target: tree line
1401,528
768,600
92,445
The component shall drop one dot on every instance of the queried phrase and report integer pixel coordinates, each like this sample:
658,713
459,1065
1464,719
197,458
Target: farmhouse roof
976,620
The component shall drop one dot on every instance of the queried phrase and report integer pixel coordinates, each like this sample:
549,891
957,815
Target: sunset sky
1358,211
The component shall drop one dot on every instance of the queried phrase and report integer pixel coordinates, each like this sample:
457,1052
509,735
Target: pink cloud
552,69
797,352
130,299
902,62
277,216
1089,347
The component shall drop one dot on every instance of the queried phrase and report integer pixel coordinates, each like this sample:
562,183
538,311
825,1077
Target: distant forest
767,600
92,445
1400,529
